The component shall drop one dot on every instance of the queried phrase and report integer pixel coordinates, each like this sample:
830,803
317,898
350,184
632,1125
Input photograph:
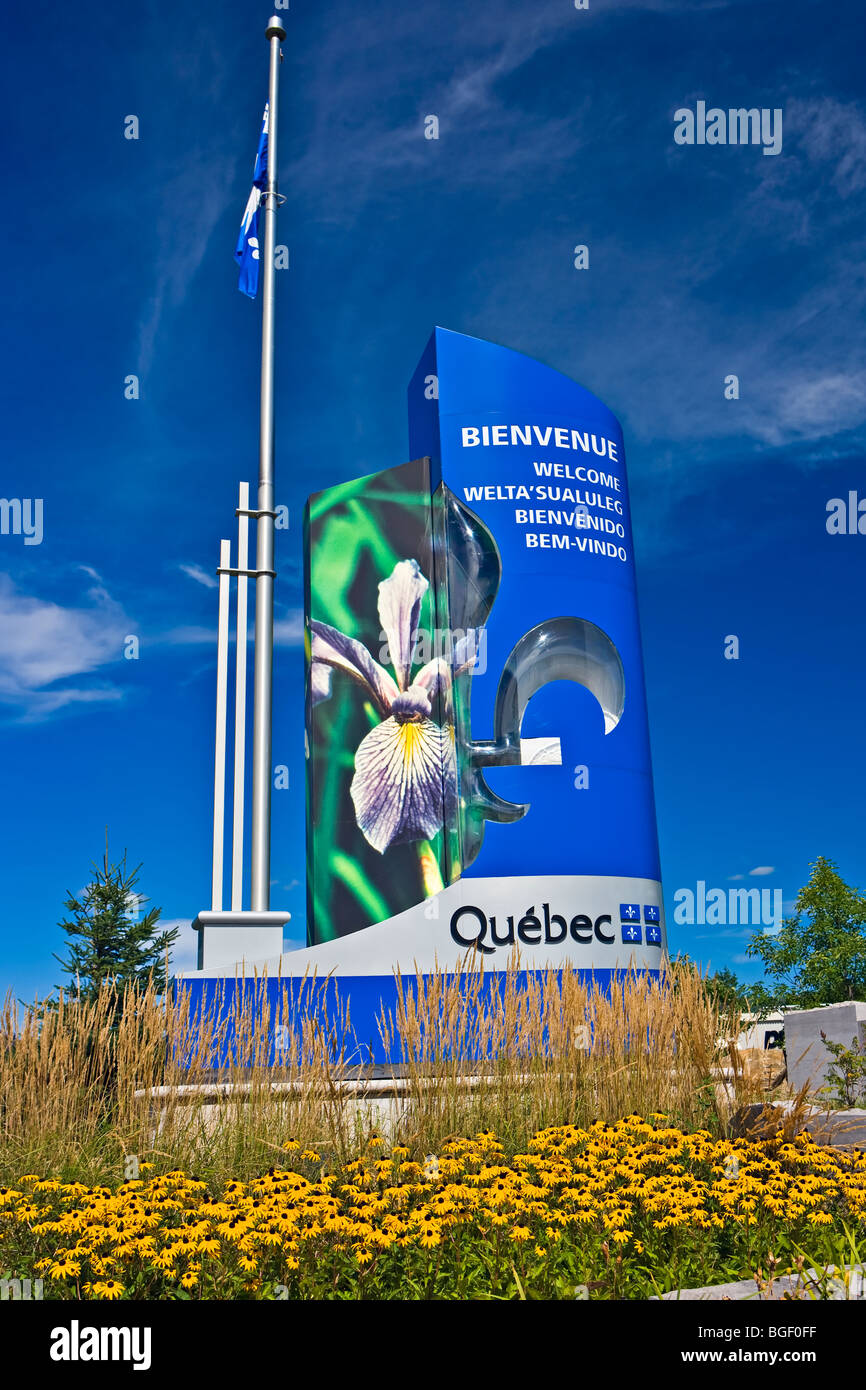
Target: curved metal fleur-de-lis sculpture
563,648
419,770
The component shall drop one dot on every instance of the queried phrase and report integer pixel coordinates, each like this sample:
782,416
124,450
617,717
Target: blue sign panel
537,465
478,763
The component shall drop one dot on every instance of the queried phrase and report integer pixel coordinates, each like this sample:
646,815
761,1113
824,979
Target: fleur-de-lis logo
556,649
408,780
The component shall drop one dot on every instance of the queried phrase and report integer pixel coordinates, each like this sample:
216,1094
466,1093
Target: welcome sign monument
477,751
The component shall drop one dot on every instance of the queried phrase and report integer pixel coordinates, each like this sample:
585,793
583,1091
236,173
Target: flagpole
260,866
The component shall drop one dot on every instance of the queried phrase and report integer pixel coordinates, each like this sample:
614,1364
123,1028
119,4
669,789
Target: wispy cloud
43,643
288,632
197,178
758,278
343,166
195,198
200,575
832,135
189,635
289,629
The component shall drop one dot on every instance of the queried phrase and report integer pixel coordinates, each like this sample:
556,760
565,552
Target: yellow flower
108,1288
189,1280
248,1264
442,1203
520,1233
429,1234
384,1239
128,1248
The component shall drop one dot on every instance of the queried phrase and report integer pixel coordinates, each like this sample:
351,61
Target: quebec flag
247,249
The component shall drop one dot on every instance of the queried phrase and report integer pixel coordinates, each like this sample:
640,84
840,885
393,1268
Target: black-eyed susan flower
107,1288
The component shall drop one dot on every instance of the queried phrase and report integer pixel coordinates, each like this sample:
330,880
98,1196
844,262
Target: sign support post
264,639
230,938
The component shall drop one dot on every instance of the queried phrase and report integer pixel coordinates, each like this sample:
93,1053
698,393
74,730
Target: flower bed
614,1211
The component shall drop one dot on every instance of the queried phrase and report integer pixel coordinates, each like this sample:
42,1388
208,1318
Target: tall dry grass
557,1050
85,1084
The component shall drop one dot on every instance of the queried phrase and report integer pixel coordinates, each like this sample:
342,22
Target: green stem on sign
352,875
431,875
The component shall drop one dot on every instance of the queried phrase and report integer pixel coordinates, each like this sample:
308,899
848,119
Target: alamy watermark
459,648
734,126
846,516
716,907
20,1290
22,516
77,1343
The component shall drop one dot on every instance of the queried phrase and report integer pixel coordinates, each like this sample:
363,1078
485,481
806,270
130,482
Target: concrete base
832,1284
843,1129
228,939
806,1055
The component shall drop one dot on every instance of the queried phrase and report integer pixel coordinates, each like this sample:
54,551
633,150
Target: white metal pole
260,859
219,781
240,700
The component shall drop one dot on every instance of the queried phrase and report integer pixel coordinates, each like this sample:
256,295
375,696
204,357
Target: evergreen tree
728,990
109,939
723,986
818,956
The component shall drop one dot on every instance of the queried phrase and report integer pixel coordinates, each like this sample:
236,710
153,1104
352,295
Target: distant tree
730,992
110,939
818,955
723,985
846,1075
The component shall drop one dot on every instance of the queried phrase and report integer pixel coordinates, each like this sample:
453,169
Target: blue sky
556,129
